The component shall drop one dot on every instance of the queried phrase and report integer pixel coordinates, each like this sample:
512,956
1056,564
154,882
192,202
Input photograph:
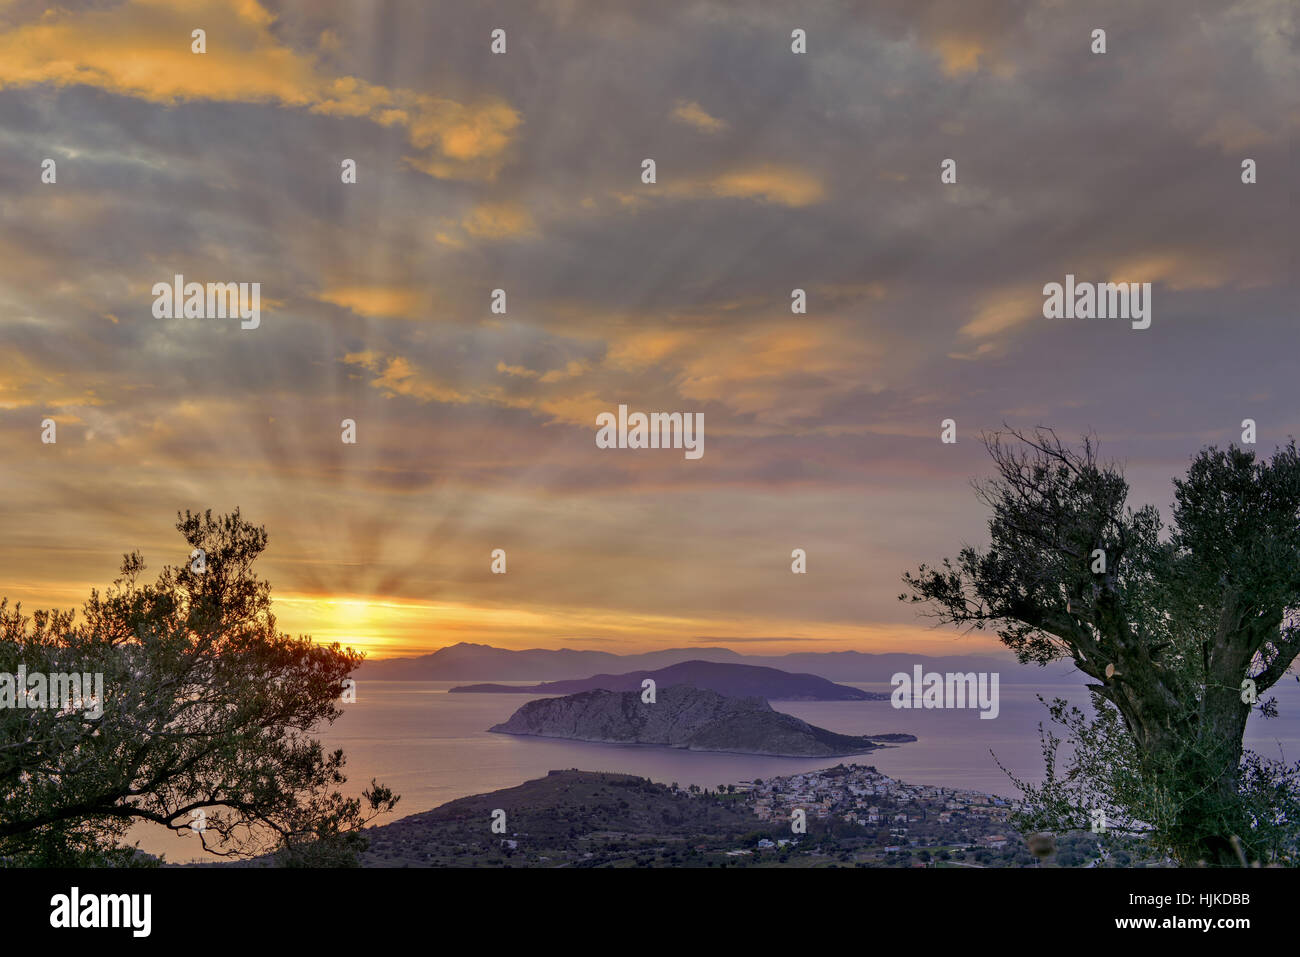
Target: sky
522,171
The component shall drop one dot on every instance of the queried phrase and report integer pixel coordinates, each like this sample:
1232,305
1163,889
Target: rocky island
696,719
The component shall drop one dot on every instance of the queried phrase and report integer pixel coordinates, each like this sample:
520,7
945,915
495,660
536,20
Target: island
726,678
682,716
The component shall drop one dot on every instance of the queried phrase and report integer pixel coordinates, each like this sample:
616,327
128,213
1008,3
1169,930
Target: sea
431,746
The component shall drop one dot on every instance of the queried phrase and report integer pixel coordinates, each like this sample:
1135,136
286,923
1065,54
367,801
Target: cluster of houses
912,814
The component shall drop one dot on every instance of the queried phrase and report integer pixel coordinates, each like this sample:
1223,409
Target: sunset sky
522,171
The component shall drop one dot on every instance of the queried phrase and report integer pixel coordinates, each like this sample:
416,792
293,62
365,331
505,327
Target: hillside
586,818
684,717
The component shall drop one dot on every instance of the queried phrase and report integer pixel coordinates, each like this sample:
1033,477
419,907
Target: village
888,817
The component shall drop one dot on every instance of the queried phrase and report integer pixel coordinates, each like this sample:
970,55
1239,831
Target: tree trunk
1193,752
1204,782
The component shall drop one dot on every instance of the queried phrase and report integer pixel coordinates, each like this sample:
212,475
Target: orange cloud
499,221
648,346
571,371
1234,132
959,54
396,376
467,137
1176,269
23,385
1002,310
692,114
142,49
769,183
766,183
394,301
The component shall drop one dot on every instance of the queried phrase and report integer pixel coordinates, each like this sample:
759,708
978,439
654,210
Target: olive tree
1181,630
204,724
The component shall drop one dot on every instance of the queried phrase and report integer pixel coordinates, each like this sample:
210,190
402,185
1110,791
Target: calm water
432,747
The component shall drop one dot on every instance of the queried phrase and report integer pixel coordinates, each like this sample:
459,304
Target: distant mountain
684,717
726,678
860,666
472,662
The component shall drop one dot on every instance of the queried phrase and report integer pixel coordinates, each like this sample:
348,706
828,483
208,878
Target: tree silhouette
1172,628
207,717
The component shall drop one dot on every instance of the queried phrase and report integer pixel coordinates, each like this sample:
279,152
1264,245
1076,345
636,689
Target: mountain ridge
467,661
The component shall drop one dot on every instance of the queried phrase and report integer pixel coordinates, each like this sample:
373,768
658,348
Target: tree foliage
207,715
1169,624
